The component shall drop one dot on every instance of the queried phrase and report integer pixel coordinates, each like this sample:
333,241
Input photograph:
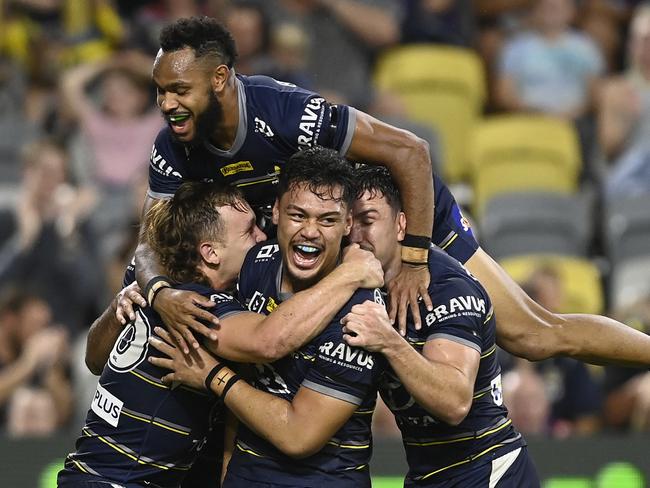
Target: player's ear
401,226
219,78
276,212
348,223
209,253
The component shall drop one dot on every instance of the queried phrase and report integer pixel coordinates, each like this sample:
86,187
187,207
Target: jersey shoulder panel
260,264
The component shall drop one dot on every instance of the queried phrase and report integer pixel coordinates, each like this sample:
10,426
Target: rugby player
444,384
141,432
241,130
308,421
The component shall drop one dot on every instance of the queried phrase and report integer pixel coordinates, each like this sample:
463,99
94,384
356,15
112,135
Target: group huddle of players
296,333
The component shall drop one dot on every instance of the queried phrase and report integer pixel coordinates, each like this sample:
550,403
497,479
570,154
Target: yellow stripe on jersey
461,439
159,385
78,465
489,352
157,424
248,450
348,446
460,463
450,241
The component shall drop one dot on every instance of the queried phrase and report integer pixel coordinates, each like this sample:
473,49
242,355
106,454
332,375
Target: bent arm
528,330
408,159
289,426
73,88
255,338
441,379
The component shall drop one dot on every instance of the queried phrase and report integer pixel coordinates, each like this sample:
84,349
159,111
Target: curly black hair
205,35
378,181
322,170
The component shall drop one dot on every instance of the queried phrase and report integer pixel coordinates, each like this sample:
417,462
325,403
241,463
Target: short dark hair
322,170
175,227
378,181
205,35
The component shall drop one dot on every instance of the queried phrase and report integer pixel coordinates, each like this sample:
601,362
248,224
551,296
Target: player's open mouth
306,255
179,122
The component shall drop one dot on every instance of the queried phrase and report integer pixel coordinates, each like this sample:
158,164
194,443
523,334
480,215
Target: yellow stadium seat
518,153
580,278
442,87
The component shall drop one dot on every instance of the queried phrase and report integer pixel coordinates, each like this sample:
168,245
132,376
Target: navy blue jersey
276,119
462,313
139,430
327,365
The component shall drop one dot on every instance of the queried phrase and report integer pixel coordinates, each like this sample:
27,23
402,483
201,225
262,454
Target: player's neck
226,132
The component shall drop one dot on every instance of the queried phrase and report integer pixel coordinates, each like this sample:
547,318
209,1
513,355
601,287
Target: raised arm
408,159
441,379
256,338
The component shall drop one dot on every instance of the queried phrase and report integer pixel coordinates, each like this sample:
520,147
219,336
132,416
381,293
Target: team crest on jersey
263,128
238,167
131,346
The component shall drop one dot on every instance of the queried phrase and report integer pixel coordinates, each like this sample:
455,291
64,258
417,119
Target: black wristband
231,381
421,242
154,286
213,372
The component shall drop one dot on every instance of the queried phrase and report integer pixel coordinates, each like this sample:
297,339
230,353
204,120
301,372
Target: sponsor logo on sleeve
343,355
107,406
161,166
238,167
311,122
257,302
465,306
221,298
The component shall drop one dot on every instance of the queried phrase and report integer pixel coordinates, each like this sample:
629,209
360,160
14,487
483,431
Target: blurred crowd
79,120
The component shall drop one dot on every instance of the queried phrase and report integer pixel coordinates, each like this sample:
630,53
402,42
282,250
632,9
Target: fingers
392,307
200,313
168,379
178,339
163,347
164,363
424,293
200,328
164,335
403,303
415,309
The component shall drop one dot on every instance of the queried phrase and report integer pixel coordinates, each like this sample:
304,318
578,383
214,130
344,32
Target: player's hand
364,266
367,325
183,312
404,292
189,369
124,302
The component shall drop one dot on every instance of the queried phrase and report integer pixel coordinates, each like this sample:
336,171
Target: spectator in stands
35,392
627,401
624,116
116,131
250,26
355,28
45,241
549,68
439,21
573,397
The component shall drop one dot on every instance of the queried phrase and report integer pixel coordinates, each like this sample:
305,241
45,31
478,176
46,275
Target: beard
208,121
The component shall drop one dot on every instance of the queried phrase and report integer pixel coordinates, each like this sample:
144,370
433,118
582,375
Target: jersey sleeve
165,166
226,304
310,120
342,371
451,230
460,312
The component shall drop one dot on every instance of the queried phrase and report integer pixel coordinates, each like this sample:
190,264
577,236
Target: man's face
185,96
240,234
310,230
376,227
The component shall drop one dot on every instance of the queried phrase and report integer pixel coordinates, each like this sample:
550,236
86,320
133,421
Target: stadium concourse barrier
588,462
